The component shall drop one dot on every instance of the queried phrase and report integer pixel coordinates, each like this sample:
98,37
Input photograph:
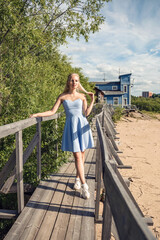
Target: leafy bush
118,112
148,104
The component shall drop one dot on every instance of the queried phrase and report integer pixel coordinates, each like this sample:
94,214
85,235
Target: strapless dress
77,135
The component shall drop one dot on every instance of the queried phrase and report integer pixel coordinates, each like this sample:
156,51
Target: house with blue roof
116,93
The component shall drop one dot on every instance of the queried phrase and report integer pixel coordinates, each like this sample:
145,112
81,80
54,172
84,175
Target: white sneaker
77,184
85,192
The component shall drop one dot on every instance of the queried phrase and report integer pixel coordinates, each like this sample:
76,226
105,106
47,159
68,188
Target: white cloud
129,40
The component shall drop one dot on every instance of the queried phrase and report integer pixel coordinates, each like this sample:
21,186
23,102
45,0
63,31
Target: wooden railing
120,212
14,166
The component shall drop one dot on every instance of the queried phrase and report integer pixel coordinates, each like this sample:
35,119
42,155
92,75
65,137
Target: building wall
122,85
108,86
110,99
125,82
147,94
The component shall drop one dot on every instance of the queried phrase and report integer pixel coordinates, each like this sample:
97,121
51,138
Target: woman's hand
33,115
91,95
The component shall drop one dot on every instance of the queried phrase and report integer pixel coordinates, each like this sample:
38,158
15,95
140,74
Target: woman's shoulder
62,96
82,96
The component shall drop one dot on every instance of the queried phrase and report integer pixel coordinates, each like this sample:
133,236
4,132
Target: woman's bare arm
88,110
51,112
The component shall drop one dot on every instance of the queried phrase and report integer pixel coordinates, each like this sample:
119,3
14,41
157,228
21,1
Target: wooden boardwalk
56,211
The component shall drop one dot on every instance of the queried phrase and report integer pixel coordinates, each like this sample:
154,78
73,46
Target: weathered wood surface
12,128
109,134
98,180
56,211
19,170
8,214
10,167
39,150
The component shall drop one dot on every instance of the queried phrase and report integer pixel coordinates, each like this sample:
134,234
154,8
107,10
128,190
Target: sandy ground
140,144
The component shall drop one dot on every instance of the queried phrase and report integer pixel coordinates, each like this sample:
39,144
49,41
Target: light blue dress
77,135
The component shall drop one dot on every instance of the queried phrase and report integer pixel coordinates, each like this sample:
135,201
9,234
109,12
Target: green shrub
118,112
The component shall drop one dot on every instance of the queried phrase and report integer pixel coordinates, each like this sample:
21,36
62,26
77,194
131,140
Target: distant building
147,94
116,92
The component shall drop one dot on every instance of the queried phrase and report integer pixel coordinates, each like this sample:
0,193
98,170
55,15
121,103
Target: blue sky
128,41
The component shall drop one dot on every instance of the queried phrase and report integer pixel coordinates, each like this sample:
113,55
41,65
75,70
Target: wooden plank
7,168
113,152
128,191
28,188
8,214
104,153
6,187
24,218
107,219
87,226
111,124
39,151
59,231
33,227
12,128
124,166
97,157
114,230
30,148
99,170
55,116
128,221
57,206
19,171
62,221
78,209
109,134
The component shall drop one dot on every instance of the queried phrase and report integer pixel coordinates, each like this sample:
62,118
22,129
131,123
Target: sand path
140,143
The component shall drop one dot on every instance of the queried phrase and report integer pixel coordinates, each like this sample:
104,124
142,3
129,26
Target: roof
113,92
104,82
127,74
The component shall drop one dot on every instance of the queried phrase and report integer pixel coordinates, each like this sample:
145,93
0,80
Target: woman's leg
79,162
83,159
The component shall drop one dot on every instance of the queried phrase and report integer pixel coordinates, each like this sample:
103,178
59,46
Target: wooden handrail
12,128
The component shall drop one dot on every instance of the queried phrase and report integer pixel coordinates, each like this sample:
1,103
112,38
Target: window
115,101
125,101
114,87
125,88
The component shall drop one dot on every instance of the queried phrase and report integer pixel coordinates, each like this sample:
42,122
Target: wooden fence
121,212
14,166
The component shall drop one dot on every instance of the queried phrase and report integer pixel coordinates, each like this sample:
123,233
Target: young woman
77,135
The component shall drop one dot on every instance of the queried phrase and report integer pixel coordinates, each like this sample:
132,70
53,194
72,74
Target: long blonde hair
80,87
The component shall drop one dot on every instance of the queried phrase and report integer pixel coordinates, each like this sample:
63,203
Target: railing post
98,179
19,171
103,120
107,220
56,122
39,151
